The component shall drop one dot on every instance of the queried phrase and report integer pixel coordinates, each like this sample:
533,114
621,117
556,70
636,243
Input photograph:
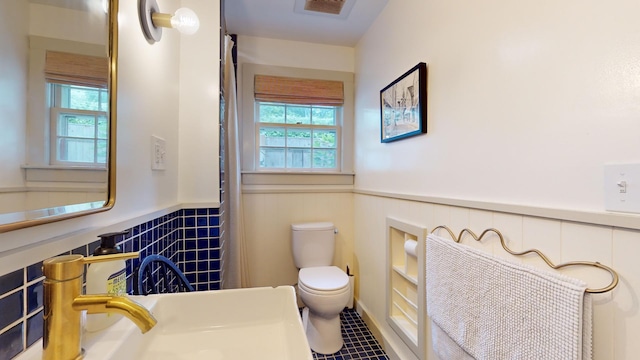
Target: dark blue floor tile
359,343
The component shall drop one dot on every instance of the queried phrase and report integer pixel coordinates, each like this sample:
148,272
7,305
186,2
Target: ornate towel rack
613,273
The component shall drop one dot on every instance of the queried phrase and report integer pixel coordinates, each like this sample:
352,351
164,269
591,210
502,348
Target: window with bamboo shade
78,99
298,91
297,126
77,69
298,123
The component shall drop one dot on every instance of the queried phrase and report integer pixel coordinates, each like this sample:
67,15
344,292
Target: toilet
323,289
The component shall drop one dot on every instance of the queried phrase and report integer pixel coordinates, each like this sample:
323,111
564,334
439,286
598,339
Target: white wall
277,52
269,212
13,90
148,97
67,23
527,101
199,100
268,217
148,103
526,104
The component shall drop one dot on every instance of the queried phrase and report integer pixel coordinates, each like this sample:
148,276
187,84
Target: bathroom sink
253,323
256,323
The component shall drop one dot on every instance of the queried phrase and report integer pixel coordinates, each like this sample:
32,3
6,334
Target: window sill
297,178
69,174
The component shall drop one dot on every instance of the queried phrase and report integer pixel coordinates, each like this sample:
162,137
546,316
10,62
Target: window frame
251,175
38,140
56,108
337,127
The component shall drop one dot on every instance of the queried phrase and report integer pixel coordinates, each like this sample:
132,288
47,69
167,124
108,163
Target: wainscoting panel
616,313
268,219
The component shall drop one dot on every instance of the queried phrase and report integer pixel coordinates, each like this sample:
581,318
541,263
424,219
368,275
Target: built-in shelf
400,271
407,328
406,299
406,284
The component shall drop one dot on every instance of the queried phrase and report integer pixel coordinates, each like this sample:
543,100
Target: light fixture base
146,8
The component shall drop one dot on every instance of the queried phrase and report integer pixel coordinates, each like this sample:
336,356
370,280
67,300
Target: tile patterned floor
359,343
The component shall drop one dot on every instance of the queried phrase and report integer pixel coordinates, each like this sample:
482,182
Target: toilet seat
323,280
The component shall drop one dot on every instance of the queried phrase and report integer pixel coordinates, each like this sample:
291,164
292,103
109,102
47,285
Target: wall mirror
57,109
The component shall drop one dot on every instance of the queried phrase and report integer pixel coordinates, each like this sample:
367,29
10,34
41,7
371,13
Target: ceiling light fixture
152,20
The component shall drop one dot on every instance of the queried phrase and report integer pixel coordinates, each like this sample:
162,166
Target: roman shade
76,69
298,91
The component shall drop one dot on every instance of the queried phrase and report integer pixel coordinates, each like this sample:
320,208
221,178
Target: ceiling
287,20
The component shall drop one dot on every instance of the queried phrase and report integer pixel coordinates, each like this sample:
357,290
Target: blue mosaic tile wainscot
189,237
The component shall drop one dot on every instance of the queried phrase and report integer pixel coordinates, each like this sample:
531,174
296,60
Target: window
297,126
294,136
78,104
79,124
298,123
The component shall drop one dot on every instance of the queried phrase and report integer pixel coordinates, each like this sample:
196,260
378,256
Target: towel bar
613,273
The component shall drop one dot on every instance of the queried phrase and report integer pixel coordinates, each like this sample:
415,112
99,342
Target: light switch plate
158,153
622,187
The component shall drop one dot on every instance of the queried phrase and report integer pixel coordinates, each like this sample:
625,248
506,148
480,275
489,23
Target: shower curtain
237,274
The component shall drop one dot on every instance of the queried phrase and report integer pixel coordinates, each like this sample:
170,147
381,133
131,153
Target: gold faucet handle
110,257
66,267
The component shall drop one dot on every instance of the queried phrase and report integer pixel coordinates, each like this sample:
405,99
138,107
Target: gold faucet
63,303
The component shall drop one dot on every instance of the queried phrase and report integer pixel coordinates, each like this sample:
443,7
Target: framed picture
403,105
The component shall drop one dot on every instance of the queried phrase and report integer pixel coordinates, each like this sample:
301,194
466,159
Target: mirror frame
33,217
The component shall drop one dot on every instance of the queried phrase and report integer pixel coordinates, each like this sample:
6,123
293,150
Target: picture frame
403,105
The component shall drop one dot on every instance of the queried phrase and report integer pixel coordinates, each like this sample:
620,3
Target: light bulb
186,21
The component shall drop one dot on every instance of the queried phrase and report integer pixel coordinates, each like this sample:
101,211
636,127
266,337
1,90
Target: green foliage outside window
306,138
81,122
83,98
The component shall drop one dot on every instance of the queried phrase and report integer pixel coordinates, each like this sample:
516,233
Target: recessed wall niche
406,298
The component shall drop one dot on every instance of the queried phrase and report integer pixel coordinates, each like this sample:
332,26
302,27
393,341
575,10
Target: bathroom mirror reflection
57,109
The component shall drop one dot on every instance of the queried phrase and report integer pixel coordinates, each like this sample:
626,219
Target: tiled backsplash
189,237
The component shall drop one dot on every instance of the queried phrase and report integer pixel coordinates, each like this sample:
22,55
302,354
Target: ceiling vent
336,9
333,7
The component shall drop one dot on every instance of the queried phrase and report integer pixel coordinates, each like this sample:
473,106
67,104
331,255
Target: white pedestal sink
254,323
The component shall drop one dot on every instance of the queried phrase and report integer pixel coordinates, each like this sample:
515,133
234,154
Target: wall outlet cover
158,153
622,187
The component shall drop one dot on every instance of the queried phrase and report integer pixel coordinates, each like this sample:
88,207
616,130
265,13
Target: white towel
487,308
445,347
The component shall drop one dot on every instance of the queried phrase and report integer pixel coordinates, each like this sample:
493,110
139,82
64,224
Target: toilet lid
323,278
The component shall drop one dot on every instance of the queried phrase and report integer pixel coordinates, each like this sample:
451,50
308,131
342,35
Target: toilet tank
313,244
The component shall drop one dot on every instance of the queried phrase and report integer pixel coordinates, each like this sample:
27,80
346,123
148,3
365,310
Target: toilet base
324,335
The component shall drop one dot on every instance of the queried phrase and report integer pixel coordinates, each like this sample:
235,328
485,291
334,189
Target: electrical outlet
158,153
